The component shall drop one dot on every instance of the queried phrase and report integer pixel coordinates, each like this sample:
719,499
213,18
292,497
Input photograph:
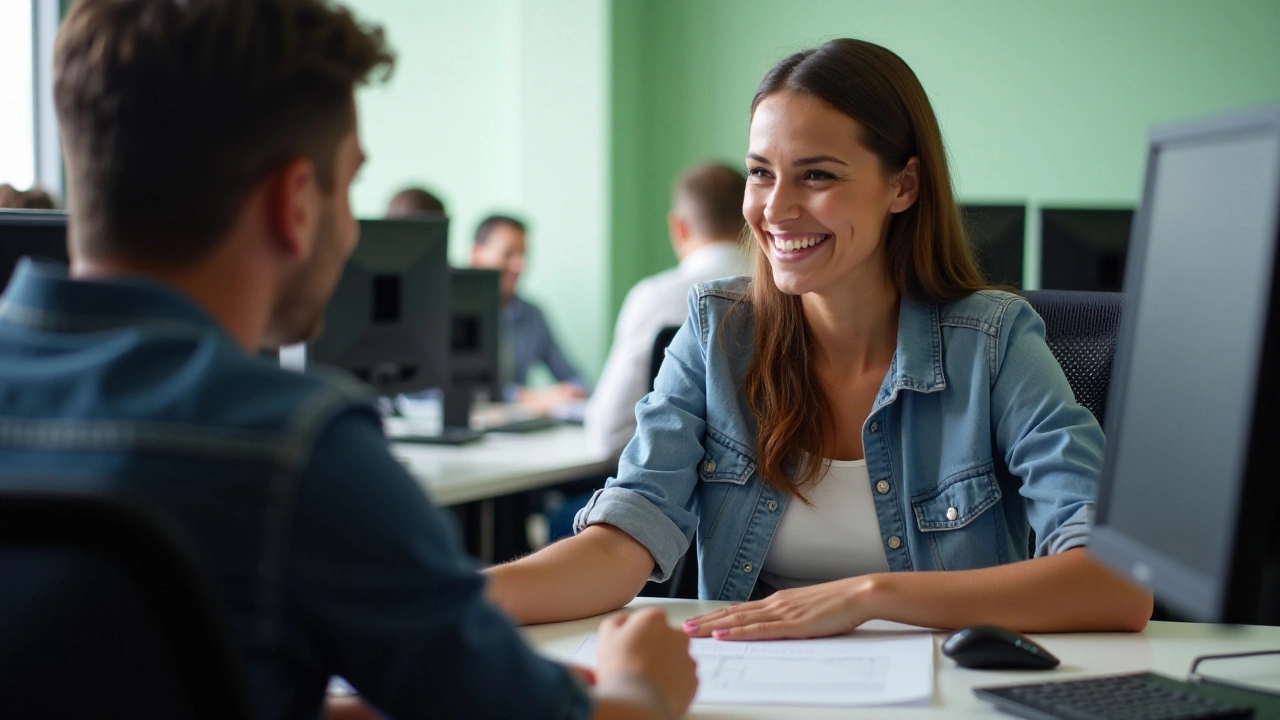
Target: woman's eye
819,175
758,172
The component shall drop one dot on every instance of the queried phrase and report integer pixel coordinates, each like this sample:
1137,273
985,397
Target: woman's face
817,200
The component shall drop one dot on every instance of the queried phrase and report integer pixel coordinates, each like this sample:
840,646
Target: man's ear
293,208
907,187
678,229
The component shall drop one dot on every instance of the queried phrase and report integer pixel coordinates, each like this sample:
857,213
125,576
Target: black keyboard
524,425
1143,696
447,436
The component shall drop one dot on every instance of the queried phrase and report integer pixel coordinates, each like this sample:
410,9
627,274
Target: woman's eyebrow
819,159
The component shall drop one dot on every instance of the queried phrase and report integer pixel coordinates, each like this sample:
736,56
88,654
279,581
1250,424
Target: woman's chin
789,283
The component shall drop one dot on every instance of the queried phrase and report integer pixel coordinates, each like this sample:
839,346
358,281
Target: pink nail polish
691,626
719,634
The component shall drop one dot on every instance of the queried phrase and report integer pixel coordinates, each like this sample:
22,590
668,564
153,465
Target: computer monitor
1189,502
476,305
388,320
1083,248
998,234
31,233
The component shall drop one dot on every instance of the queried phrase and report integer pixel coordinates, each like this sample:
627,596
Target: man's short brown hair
173,111
709,198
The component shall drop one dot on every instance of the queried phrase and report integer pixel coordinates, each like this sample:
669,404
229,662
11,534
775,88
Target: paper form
840,671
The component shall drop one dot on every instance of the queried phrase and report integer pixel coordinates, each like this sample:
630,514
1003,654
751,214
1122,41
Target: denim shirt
325,554
973,441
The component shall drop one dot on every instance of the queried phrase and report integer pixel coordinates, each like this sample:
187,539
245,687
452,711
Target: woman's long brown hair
929,257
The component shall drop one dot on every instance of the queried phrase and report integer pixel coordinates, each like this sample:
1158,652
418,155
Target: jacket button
882,487
895,542
952,514
773,506
709,466
875,426
746,567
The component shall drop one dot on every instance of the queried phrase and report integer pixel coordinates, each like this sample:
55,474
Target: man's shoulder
259,393
527,309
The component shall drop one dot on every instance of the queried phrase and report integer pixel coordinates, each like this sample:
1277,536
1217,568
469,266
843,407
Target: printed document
880,669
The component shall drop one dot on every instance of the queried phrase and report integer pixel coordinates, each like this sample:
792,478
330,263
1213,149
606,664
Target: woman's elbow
1138,612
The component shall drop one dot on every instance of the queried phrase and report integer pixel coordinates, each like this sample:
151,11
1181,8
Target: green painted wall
1047,102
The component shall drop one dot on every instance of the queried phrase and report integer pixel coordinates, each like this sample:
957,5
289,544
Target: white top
838,537
656,302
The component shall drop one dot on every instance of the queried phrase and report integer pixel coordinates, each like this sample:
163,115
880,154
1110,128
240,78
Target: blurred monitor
388,320
31,233
475,301
998,234
1083,249
1189,502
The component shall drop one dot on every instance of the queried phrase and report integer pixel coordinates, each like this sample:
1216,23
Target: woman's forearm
1069,592
598,570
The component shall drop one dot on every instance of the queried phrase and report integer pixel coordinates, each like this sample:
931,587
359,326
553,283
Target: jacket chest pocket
957,522
723,473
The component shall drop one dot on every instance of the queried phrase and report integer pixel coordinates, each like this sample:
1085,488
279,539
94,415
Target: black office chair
684,580
660,343
1081,329
102,614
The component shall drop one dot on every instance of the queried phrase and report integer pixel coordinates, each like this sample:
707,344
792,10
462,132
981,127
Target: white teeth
800,244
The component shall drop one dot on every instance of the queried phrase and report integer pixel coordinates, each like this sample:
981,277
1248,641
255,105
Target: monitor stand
456,416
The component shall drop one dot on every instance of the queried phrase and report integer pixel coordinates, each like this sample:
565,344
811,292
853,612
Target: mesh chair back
1081,329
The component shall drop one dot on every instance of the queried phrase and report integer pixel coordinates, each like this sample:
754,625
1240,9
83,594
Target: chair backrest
660,344
1081,329
684,582
103,614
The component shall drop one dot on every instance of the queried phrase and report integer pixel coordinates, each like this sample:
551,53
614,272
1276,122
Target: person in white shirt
705,224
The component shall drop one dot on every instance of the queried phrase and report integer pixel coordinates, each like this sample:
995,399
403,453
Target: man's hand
640,651
541,400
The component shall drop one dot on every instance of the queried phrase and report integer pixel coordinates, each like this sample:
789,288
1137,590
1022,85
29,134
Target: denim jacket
326,555
974,440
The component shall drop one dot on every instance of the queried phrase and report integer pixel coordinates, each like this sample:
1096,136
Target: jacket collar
917,362
41,296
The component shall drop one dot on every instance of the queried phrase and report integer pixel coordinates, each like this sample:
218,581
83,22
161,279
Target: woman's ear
907,187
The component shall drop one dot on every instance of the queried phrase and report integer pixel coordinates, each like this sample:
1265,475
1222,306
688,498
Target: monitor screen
31,233
998,235
476,304
1200,296
388,322
1084,248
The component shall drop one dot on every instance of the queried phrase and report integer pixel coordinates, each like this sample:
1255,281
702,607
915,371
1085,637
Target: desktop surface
1164,647
501,463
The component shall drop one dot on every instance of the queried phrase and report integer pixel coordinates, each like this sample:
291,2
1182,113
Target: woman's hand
832,608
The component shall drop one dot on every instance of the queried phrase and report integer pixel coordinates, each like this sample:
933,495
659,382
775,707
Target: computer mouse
987,647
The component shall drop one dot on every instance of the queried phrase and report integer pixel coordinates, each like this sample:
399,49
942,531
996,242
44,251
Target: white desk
1166,648
501,464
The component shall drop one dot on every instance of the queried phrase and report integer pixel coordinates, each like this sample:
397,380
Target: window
17,94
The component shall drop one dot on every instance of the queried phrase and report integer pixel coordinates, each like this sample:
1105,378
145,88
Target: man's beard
298,315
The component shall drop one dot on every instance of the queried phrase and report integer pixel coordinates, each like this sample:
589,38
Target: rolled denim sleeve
1050,441
653,497
381,593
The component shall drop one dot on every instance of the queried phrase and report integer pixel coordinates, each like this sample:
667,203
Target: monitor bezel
1188,591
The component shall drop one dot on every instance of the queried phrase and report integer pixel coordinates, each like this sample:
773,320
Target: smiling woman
859,411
